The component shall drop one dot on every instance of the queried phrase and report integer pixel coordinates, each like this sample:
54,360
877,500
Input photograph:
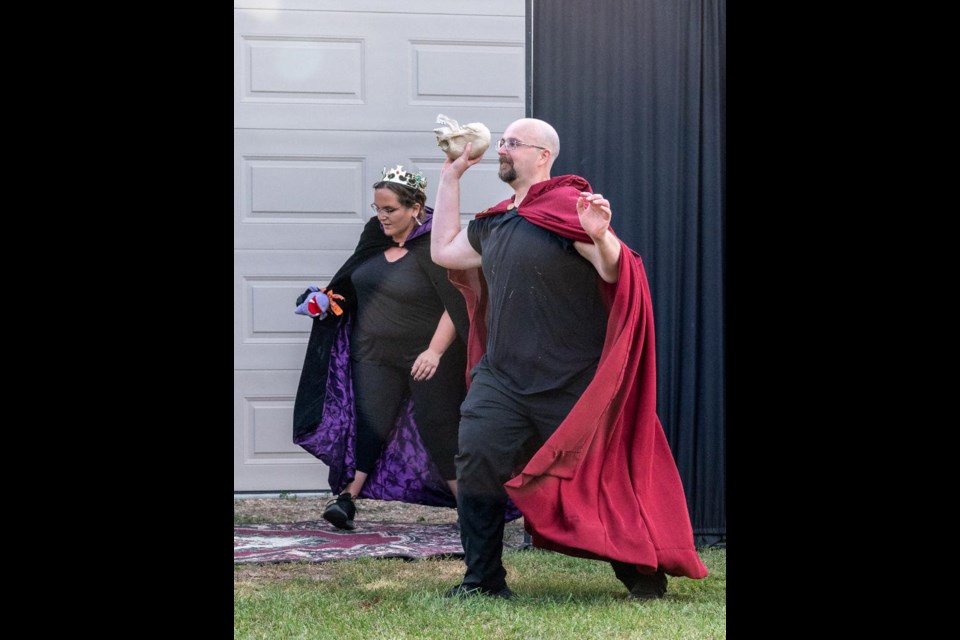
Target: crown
407,179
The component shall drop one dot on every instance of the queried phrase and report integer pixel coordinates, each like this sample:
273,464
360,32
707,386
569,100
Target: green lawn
558,597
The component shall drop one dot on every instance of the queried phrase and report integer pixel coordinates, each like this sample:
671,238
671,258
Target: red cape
605,485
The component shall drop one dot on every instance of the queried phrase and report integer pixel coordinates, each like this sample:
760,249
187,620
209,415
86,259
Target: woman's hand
425,365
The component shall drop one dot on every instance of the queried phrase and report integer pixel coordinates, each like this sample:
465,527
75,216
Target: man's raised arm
449,246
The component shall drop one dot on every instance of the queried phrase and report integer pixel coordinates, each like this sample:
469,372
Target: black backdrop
636,90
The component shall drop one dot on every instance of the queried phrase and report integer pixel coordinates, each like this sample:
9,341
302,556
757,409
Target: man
561,410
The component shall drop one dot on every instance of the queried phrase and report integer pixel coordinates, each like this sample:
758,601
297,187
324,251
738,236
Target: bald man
542,274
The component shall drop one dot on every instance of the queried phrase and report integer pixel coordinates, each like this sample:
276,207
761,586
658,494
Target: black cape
308,406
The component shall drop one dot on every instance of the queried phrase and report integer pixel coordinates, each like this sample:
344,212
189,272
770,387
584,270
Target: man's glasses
387,210
512,143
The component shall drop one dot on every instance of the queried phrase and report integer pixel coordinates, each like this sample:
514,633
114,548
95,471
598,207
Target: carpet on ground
318,541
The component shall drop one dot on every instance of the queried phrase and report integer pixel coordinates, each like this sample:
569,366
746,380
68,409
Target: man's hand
595,214
461,164
604,252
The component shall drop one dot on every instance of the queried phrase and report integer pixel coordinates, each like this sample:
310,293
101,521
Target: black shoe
527,542
649,586
470,590
340,512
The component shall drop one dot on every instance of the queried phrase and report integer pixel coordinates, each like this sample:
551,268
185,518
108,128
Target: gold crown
407,179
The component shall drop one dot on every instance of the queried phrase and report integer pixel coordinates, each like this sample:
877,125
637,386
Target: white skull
452,138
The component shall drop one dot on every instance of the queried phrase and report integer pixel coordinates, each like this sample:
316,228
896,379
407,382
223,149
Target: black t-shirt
397,311
546,320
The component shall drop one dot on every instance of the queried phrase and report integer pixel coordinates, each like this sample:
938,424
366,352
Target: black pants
499,432
379,391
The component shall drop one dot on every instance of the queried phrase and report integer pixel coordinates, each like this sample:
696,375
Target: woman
389,332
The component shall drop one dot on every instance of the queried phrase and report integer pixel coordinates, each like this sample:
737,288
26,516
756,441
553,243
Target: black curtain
635,88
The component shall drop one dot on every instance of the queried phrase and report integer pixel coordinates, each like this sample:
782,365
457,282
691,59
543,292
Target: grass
559,597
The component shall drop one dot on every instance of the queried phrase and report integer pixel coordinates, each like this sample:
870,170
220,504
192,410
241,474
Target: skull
452,138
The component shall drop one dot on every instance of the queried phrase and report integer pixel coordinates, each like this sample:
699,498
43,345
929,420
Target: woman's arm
426,363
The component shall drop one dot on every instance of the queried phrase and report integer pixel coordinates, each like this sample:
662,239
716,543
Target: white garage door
326,95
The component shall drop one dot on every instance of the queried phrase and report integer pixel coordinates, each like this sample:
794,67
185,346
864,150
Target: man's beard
508,174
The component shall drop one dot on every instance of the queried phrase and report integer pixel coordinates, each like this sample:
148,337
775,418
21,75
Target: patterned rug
318,541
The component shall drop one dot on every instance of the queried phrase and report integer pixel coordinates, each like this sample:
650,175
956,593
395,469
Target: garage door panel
264,453
266,298
308,69
466,76
268,334
300,187
297,190
376,70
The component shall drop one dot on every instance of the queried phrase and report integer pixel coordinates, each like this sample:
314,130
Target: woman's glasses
386,210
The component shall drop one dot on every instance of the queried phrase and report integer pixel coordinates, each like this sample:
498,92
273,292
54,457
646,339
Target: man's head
527,152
